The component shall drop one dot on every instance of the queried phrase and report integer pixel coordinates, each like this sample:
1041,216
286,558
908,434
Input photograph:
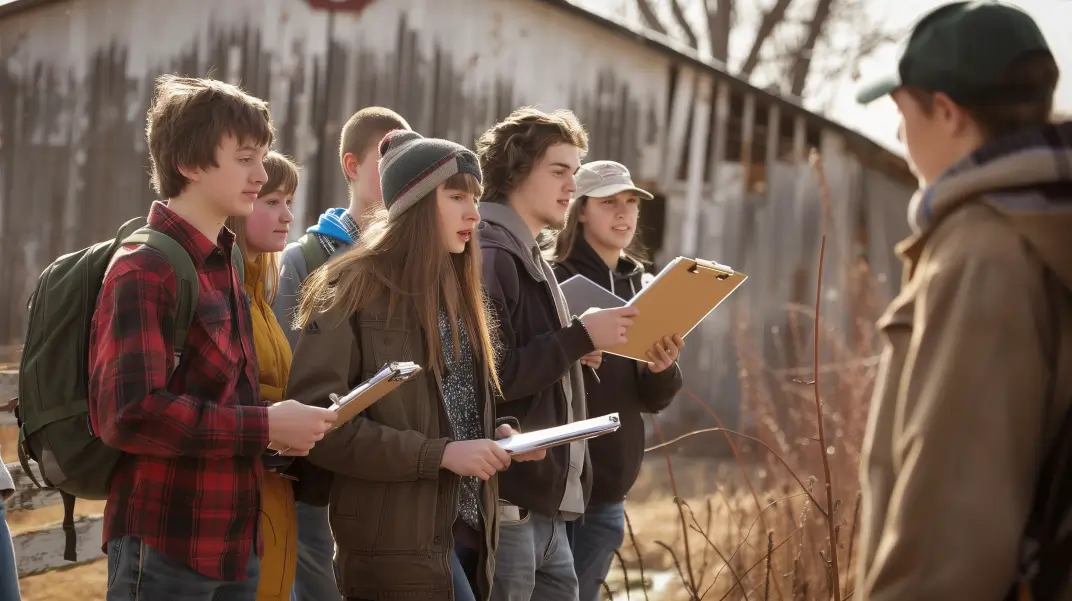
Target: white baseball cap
606,178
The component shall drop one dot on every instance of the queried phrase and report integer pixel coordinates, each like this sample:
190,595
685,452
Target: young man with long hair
529,160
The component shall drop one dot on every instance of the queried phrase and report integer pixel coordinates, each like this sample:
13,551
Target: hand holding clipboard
390,376
678,299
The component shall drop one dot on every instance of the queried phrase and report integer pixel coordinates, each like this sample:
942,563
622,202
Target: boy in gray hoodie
334,232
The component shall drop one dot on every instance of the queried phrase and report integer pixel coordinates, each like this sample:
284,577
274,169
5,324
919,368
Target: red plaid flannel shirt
190,486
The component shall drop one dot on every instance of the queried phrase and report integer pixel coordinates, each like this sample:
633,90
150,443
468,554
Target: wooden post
697,153
748,131
677,133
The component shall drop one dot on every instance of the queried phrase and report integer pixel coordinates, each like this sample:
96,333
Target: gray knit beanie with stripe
412,166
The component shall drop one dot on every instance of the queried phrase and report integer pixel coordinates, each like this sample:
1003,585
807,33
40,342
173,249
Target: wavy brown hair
510,148
565,240
282,177
404,261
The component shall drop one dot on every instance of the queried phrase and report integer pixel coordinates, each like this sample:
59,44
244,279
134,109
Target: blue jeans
595,538
136,571
9,573
316,574
463,564
533,561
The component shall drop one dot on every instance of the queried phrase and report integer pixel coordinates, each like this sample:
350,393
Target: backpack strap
314,253
185,276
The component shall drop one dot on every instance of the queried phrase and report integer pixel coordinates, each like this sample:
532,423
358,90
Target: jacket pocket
357,512
381,518
410,517
389,344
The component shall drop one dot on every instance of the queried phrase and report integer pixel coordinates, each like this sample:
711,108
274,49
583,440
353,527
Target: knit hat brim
412,167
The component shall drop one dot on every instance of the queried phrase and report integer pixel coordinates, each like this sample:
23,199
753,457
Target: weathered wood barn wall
727,159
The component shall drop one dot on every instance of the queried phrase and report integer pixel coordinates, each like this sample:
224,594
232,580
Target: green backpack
53,408
314,254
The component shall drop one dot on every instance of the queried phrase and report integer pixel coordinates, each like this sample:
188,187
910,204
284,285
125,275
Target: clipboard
560,435
391,376
684,293
582,294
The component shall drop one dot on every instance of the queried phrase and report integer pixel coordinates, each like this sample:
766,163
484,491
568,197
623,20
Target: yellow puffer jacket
279,522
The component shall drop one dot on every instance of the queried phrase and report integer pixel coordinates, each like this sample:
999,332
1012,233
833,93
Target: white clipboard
560,435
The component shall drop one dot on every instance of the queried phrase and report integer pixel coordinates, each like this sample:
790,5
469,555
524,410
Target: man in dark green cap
970,420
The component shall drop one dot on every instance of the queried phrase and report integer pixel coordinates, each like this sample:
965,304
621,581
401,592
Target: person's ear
350,163
948,115
192,174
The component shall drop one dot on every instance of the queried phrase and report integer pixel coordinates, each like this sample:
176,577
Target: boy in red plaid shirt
181,519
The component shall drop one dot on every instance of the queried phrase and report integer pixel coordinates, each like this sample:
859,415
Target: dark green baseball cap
962,49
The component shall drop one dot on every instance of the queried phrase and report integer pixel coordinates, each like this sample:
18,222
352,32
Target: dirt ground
651,509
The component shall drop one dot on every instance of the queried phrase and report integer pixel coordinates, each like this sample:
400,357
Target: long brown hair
404,259
282,177
566,239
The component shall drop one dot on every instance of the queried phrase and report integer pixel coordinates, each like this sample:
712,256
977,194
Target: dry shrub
779,531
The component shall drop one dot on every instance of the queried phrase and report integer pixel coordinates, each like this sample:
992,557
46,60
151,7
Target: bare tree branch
683,23
771,18
719,25
648,14
798,73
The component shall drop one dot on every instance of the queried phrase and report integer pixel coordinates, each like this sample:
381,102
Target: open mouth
465,235
564,202
622,228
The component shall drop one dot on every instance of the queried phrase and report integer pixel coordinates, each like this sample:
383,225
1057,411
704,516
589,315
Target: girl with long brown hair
261,236
413,498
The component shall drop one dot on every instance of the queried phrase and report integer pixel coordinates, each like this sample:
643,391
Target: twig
677,564
852,539
770,551
740,464
749,533
763,559
691,582
705,557
822,429
726,562
639,555
818,506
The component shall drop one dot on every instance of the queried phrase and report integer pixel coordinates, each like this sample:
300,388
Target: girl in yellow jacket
261,237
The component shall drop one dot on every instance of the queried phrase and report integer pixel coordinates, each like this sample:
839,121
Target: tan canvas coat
974,378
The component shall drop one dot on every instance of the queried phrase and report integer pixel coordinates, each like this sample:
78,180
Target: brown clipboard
390,377
681,296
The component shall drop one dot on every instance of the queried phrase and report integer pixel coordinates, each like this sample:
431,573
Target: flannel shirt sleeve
131,358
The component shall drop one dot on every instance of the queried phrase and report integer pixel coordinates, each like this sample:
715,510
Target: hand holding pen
592,361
